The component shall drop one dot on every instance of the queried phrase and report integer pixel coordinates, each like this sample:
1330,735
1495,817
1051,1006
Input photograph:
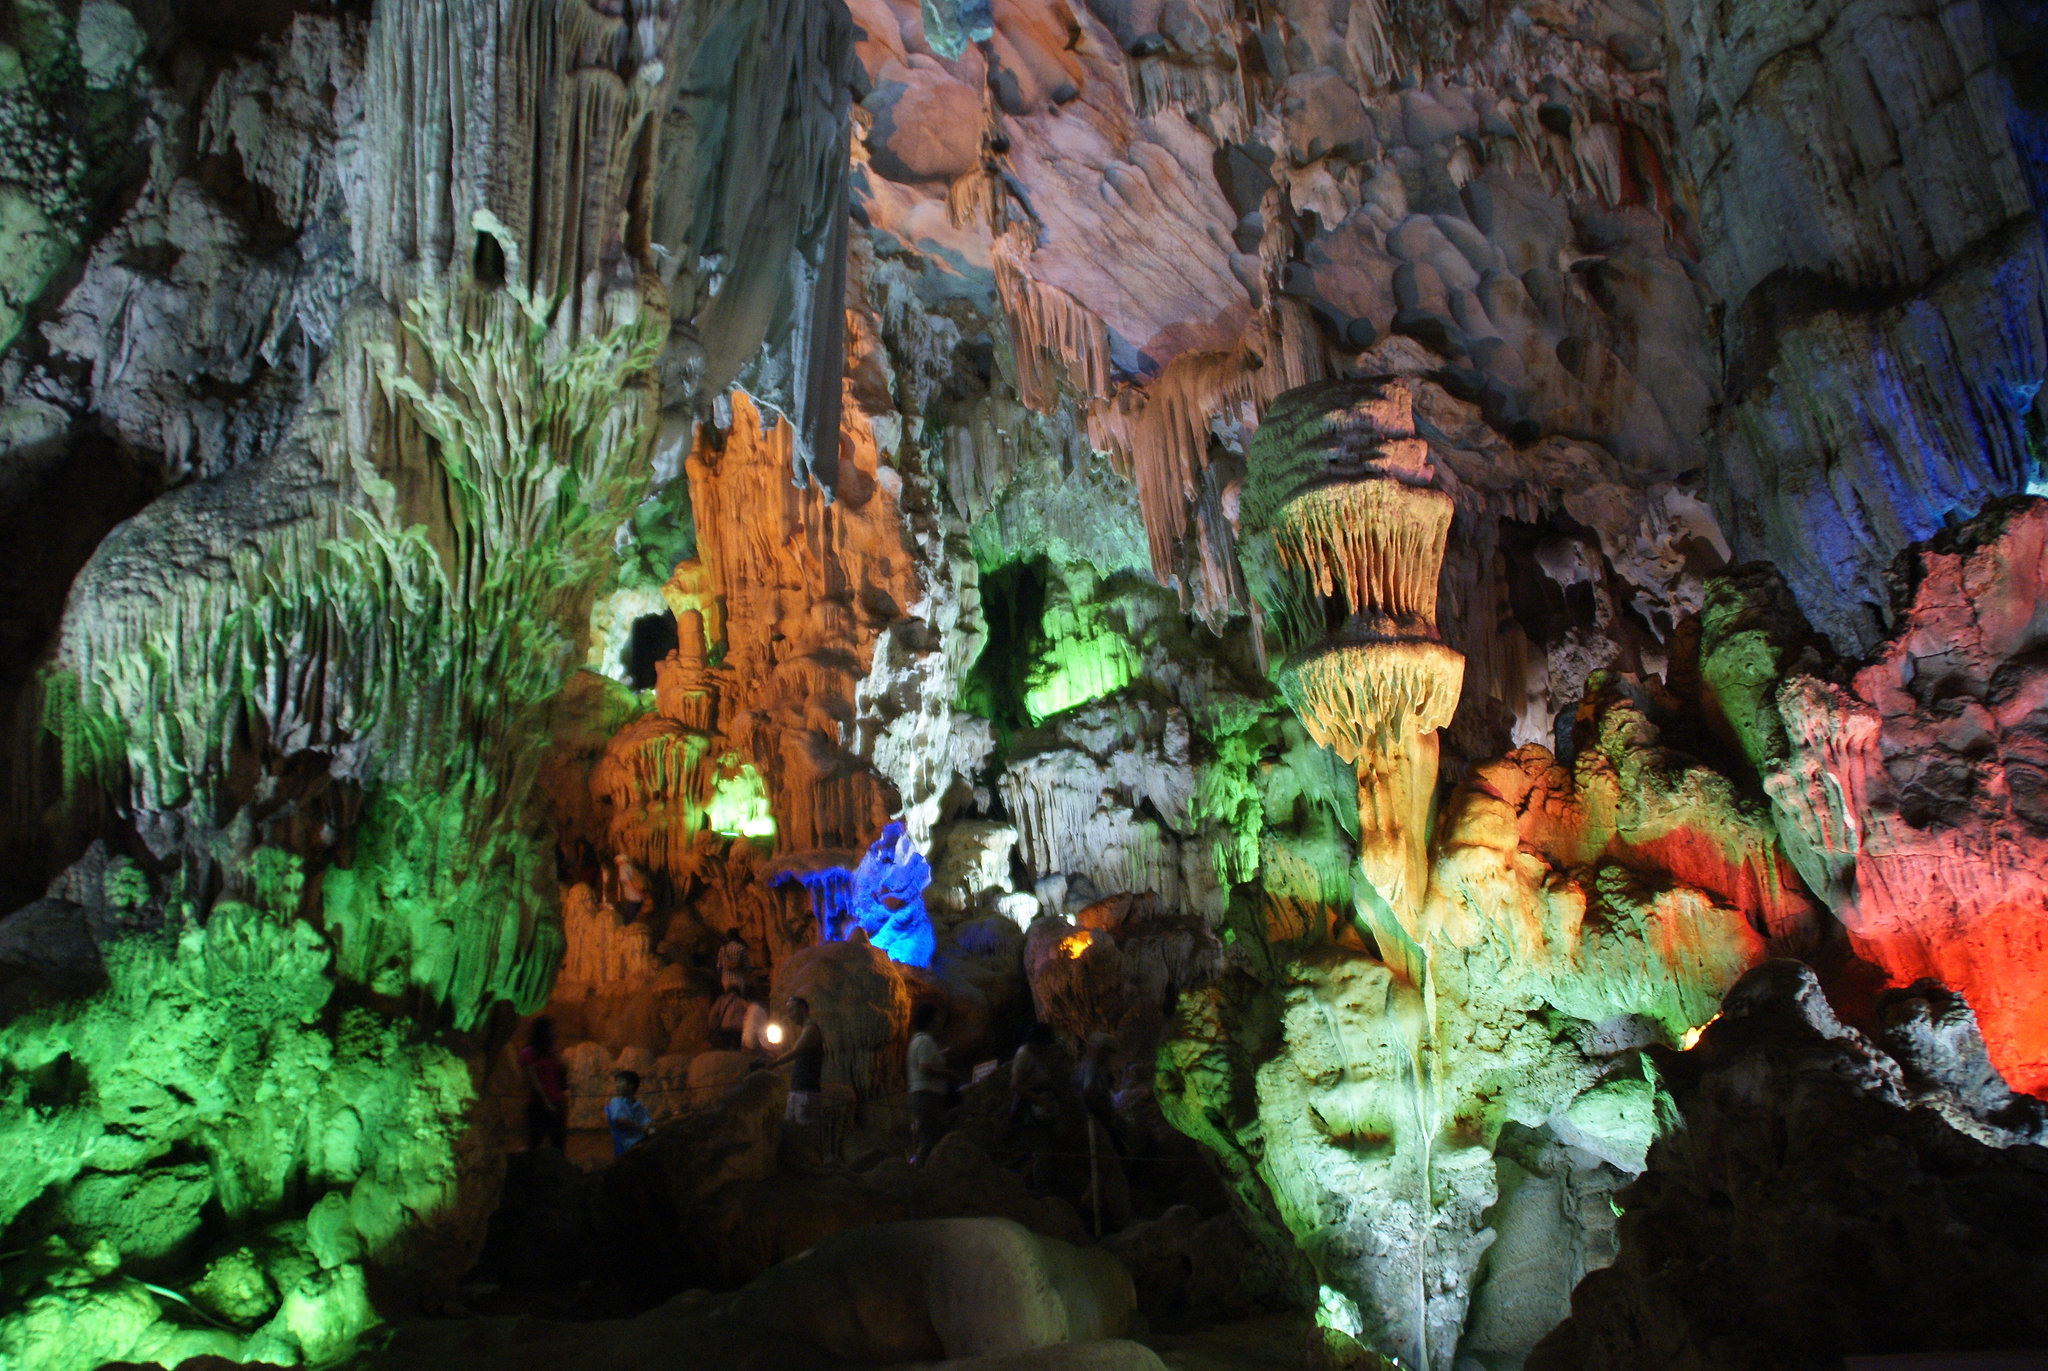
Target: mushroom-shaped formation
1339,478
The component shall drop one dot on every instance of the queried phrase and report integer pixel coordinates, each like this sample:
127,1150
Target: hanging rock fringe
1361,698
1380,542
423,666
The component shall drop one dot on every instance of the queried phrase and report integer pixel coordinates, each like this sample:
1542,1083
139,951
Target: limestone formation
965,1289
1857,1169
1376,1129
1338,476
498,495
406,374
1918,287
1904,792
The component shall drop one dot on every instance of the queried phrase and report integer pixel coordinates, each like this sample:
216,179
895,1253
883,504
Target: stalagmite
1340,478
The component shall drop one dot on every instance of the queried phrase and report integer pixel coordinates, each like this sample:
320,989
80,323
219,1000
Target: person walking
1035,1103
806,1062
1095,1081
547,1087
930,1079
624,1114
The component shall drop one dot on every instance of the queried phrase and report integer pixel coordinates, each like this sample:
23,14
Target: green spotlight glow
1077,669
739,806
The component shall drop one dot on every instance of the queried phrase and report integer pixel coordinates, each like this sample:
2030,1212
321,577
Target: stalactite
311,641
792,573
1066,826
536,111
1160,433
1338,479
1357,698
1378,543
1202,87
1054,337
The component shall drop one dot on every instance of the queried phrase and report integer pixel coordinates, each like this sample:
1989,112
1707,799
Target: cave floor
1273,1342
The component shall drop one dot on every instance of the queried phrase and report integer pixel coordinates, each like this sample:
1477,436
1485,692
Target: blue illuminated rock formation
883,897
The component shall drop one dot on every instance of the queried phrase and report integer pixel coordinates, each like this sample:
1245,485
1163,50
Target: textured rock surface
702,433
1906,791
1866,220
887,1293
386,301
1815,1203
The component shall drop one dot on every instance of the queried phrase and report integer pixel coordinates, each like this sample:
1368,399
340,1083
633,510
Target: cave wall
492,438
392,302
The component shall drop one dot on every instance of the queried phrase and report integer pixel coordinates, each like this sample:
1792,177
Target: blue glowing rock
883,897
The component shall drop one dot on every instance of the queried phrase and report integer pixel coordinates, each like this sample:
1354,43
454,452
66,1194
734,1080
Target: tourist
630,890
1096,1082
734,964
729,1022
930,1080
1035,1101
754,1035
624,1114
547,1087
806,1061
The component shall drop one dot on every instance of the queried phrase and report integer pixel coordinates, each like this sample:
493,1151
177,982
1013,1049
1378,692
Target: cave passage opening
654,636
1013,599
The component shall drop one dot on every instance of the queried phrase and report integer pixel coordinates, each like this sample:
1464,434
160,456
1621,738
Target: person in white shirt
754,1029
930,1080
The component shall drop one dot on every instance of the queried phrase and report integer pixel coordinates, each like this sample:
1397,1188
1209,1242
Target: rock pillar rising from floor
1339,476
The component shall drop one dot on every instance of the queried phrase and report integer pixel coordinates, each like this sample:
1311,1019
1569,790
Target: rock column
1348,492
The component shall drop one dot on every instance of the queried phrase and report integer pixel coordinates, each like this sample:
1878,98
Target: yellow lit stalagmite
1344,484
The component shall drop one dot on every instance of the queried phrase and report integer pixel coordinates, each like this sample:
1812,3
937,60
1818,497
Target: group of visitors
547,1096
1039,1095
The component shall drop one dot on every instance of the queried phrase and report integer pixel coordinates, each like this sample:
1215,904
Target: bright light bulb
1692,1035
774,1034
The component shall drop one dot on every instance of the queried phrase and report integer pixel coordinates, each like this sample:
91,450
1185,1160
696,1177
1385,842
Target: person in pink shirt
547,1087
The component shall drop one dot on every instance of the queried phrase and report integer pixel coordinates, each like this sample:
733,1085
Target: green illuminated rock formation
492,489
386,308
213,1131
1458,1070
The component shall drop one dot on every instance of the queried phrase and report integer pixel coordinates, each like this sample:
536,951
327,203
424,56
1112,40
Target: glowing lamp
774,1034
1075,943
1692,1035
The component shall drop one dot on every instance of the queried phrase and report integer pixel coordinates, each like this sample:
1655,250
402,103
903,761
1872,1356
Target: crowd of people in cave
1047,1085
1040,1089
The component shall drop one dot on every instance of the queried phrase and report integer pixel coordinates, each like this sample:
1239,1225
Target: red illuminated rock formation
1915,797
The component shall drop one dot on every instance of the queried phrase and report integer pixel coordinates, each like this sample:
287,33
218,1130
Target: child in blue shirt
625,1115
